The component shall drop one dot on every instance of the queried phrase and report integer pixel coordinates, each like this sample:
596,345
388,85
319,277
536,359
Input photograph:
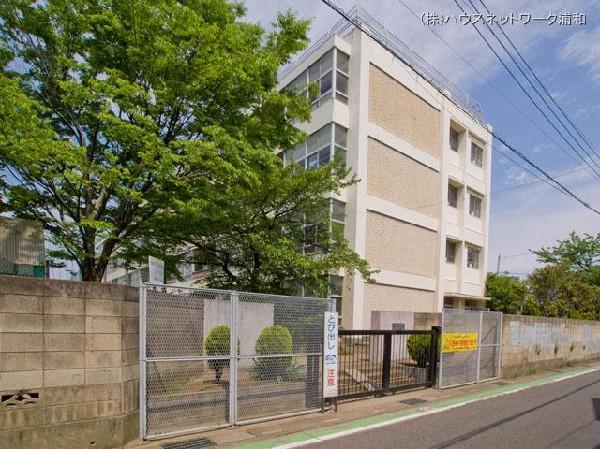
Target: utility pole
498,266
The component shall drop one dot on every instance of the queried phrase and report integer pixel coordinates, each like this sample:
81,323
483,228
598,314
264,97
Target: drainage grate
198,443
413,401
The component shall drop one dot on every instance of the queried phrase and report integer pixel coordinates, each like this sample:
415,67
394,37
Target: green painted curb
379,419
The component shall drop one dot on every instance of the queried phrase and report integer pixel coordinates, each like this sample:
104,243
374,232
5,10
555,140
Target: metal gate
471,346
382,361
211,358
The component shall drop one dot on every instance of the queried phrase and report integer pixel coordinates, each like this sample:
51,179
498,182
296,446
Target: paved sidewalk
355,415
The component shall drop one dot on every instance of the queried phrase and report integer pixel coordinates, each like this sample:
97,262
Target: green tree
507,293
217,343
559,292
254,238
580,253
113,112
274,340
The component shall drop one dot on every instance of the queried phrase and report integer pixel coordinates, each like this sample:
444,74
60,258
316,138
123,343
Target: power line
526,92
558,184
545,174
564,114
525,184
492,86
536,90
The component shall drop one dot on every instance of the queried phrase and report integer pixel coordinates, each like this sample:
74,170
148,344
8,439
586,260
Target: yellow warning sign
459,341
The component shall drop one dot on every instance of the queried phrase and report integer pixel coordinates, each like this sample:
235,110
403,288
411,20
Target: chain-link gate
471,346
211,358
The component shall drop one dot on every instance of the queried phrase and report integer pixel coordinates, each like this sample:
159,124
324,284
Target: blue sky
567,60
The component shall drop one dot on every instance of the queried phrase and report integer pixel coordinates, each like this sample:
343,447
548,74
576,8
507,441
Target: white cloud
583,50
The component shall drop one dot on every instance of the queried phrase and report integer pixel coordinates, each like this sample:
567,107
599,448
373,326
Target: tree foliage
112,112
579,253
507,293
567,286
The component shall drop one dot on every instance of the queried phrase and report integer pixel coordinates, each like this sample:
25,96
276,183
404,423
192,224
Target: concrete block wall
69,373
531,343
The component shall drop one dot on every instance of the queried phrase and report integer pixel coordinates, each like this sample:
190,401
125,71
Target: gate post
142,356
233,358
479,344
433,353
387,361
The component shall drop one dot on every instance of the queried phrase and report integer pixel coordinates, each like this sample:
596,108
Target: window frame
452,129
455,189
303,80
451,243
476,155
473,262
475,212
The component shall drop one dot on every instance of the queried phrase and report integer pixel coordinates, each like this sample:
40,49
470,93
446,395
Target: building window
452,195
338,218
319,149
473,257
476,155
335,293
454,139
321,73
470,304
450,251
475,205
342,77
315,229
448,303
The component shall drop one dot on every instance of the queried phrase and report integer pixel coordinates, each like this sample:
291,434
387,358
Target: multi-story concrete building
422,152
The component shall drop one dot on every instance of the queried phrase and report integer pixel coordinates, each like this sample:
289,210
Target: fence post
143,367
233,358
433,353
479,345
387,361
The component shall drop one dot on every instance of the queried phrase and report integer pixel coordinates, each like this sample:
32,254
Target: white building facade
420,213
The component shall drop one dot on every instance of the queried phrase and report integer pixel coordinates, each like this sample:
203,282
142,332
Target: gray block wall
69,375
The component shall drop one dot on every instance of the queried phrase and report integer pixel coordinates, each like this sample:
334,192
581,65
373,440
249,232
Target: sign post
330,355
156,270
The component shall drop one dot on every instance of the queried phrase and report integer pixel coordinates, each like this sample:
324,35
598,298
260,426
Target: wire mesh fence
212,357
471,346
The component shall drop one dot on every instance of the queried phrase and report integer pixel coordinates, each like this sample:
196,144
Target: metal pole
387,361
233,358
142,356
498,266
501,343
479,344
439,379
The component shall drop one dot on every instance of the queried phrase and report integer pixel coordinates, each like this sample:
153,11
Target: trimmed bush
418,348
217,343
274,340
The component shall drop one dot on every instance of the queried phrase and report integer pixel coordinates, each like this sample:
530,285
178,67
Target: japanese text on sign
459,342
330,354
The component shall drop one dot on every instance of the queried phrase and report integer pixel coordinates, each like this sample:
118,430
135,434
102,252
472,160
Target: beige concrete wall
532,343
399,246
69,374
379,297
395,108
397,178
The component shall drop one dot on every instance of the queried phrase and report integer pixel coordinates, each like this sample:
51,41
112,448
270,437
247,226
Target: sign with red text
330,355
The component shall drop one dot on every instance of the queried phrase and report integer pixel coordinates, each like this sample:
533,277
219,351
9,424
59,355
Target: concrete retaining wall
532,343
68,364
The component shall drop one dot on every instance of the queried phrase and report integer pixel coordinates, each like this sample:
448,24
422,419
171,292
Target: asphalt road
564,414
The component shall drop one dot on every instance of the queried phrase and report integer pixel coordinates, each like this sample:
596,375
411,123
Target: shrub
418,348
274,340
217,343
